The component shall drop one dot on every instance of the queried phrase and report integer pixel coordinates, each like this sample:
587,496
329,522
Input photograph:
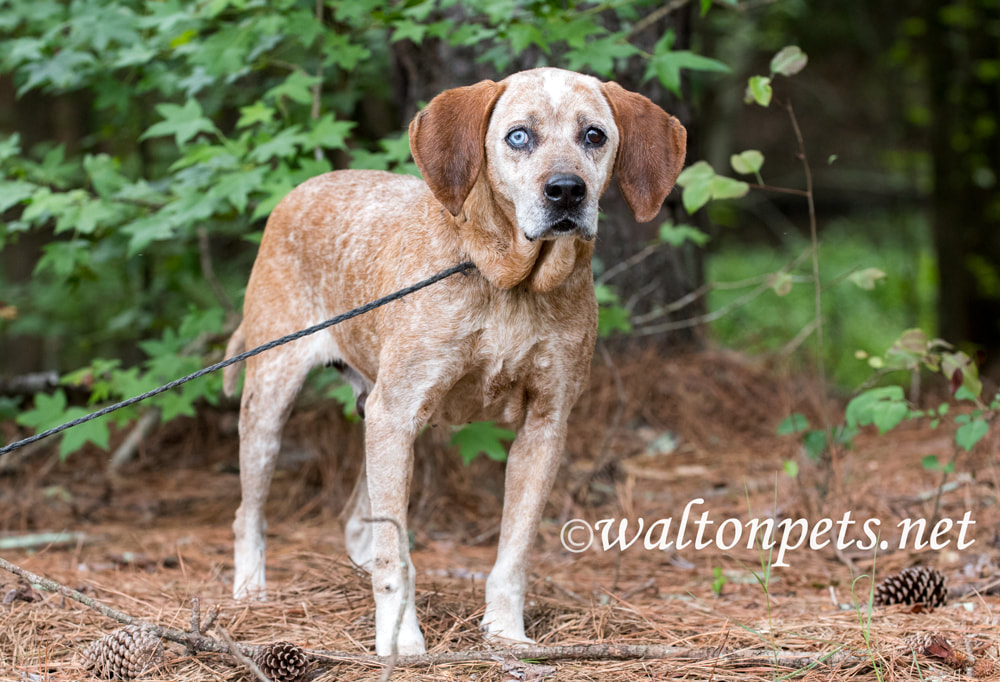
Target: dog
513,171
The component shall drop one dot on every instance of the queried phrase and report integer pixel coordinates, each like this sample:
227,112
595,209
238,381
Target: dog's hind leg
358,533
272,382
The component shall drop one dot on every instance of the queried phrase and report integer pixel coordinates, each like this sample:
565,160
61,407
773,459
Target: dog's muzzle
564,196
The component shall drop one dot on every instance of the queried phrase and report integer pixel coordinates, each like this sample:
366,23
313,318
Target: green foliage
885,407
787,62
748,162
793,423
482,438
702,184
678,235
854,317
718,580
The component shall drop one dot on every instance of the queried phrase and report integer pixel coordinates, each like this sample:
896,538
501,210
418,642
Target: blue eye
518,138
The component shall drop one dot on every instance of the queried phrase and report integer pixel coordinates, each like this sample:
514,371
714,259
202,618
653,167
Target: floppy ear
447,140
650,152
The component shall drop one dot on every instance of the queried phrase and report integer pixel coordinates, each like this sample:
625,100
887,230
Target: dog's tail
231,374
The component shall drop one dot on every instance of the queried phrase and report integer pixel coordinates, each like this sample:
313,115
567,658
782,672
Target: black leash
461,267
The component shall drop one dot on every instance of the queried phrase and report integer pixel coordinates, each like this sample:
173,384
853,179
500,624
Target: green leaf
931,463
14,192
814,443
408,30
297,87
677,235
789,61
793,423
969,434
866,278
329,133
701,184
613,318
605,295
666,67
62,71
791,468
237,187
341,52
781,282
599,55
886,415
696,195
523,35
759,90
960,362
728,188
255,113
63,257
50,411
718,577
182,122
748,162
861,409
695,173
10,147
283,145
482,438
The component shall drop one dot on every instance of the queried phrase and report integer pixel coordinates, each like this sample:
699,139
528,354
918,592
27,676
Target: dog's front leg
389,462
531,468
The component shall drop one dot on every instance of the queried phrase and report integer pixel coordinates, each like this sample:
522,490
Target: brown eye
594,137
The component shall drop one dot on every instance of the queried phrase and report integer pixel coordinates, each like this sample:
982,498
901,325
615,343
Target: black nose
565,190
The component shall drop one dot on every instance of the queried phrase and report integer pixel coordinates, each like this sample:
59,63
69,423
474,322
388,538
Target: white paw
409,643
500,632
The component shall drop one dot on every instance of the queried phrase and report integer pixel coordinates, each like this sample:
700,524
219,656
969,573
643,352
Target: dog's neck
490,236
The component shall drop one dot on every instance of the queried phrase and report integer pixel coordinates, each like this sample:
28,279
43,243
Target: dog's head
550,141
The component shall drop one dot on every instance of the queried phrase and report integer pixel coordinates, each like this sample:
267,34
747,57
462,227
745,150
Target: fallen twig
40,540
612,652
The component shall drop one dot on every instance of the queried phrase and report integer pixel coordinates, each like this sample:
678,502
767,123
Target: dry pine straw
162,535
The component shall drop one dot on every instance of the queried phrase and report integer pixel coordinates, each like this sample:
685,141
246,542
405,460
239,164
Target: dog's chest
507,360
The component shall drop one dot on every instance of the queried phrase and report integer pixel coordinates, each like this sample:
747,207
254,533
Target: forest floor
650,436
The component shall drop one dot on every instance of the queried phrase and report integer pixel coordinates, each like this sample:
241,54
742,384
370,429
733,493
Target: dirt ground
649,436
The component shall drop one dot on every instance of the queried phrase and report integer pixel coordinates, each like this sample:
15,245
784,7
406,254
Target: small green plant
482,438
718,580
885,407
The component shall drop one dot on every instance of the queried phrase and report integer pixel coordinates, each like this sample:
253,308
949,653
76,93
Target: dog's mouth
563,227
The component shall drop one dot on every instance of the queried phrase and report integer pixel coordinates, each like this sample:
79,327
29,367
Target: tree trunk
965,146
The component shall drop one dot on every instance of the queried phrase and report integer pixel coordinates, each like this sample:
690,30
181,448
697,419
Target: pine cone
914,585
281,661
124,654
918,642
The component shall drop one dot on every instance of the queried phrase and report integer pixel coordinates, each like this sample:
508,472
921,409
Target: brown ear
447,140
650,153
